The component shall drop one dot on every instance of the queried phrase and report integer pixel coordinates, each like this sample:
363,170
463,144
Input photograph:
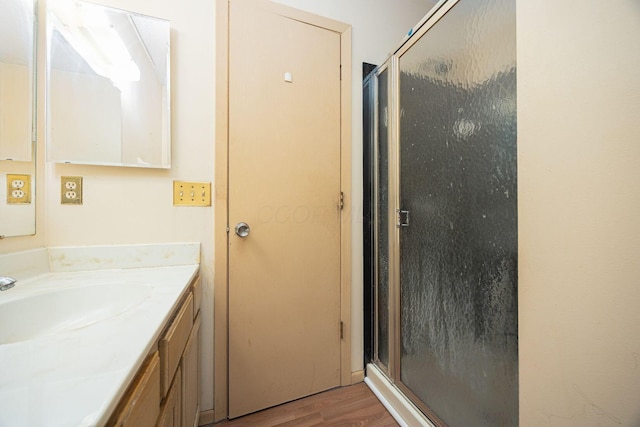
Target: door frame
221,211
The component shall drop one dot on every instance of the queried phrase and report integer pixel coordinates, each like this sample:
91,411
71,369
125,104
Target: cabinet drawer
173,342
197,296
142,404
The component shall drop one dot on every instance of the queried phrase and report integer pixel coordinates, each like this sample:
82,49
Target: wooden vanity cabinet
165,391
140,405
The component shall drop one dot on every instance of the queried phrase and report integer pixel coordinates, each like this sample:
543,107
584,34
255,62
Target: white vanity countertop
76,377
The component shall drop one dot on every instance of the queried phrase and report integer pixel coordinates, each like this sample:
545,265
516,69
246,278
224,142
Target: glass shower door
458,217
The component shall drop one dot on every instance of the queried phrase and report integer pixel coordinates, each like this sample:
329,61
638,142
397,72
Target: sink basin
66,309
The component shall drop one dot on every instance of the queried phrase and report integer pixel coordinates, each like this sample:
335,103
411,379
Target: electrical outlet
18,189
191,193
71,190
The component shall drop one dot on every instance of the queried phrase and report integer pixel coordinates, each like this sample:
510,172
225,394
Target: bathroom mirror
107,85
16,79
17,135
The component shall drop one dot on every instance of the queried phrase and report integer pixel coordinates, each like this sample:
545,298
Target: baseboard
207,417
357,377
396,403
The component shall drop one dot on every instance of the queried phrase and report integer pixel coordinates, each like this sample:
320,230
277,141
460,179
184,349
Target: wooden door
284,182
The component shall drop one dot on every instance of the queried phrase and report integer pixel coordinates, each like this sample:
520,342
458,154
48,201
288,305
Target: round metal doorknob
242,229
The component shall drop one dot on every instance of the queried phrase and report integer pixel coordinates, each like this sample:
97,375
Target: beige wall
579,212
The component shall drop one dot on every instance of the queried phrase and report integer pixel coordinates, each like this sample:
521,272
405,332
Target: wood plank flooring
351,406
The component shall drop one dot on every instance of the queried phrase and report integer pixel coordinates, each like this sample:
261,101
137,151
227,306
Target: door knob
242,229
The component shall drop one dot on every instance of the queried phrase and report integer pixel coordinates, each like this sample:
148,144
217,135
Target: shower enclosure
445,209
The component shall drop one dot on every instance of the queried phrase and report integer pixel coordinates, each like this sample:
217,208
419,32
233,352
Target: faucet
7,282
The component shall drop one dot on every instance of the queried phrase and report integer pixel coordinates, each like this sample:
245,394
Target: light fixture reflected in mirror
108,86
88,31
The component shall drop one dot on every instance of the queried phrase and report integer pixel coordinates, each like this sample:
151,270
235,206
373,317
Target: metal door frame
376,211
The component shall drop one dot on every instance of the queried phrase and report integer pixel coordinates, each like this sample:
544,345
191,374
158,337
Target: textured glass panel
382,219
459,343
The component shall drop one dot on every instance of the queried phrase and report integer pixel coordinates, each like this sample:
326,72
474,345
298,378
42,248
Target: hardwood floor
351,406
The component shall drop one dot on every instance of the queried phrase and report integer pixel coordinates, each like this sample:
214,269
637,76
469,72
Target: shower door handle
403,218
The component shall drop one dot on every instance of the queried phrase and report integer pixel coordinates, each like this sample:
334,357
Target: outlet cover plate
18,189
71,190
186,193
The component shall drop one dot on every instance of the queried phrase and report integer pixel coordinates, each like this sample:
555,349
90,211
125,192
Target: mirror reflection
16,71
17,151
107,85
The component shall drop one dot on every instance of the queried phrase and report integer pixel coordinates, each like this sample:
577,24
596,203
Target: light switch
288,77
191,193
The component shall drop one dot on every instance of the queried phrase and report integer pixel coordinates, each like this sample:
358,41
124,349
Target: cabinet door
143,403
190,377
171,412
173,342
